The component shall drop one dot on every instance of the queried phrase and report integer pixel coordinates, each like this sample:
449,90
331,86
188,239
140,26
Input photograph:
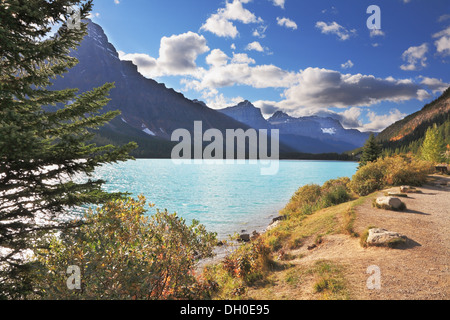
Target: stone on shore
245,237
384,238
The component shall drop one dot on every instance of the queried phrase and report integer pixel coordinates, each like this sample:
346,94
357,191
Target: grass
364,236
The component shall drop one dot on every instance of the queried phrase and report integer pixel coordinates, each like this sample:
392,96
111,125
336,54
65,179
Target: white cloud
334,28
92,15
279,3
242,58
217,58
350,118
260,32
322,88
443,43
377,33
444,17
177,56
221,24
415,58
288,23
436,85
380,122
349,64
239,73
255,46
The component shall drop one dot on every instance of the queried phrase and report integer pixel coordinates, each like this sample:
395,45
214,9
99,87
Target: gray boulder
390,203
384,238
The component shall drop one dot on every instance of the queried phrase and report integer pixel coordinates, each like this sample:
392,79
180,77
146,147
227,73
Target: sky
302,57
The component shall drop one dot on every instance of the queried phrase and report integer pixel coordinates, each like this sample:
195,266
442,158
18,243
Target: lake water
225,198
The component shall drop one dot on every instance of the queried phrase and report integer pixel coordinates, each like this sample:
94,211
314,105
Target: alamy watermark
211,147
374,281
74,19
374,21
74,280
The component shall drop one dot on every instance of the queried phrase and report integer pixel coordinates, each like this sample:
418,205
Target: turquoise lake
226,198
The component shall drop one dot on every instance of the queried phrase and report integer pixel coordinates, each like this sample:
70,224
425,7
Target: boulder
273,225
255,235
390,203
384,238
245,237
407,189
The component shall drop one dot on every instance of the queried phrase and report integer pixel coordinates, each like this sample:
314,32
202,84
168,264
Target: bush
390,171
312,197
124,254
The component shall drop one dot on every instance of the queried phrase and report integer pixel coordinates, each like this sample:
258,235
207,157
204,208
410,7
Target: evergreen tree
371,151
42,150
433,147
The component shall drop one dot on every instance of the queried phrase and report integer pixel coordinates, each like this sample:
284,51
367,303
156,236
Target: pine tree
42,150
433,147
371,151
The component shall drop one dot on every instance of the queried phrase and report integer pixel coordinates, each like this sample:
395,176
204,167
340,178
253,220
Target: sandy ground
418,270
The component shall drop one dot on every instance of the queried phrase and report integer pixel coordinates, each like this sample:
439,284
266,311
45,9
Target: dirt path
418,270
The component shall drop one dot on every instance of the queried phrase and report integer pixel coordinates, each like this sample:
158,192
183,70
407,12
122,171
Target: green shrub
124,254
390,171
312,197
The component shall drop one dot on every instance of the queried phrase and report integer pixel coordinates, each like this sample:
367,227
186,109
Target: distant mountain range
151,111
305,134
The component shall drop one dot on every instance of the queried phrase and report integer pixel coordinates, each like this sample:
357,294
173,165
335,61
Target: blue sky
303,57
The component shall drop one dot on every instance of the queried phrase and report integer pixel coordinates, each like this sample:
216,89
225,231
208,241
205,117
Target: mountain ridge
413,127
150,111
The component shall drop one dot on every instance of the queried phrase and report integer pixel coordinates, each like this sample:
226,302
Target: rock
396,194
406,189
389,203
245,237
384,238
273,225
255,235
279,218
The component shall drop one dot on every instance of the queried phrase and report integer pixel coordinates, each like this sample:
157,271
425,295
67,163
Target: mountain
413,127
247,113
150,111
305,134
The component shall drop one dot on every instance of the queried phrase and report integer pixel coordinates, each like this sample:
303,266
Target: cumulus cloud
239,72
255,46
322,88
334,28
443,42
435,85
279,3
268,108
415,58
380,122
217,58
288,23
242,58
177,56
221,23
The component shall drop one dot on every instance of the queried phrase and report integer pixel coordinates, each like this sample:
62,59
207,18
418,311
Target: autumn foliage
125,254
